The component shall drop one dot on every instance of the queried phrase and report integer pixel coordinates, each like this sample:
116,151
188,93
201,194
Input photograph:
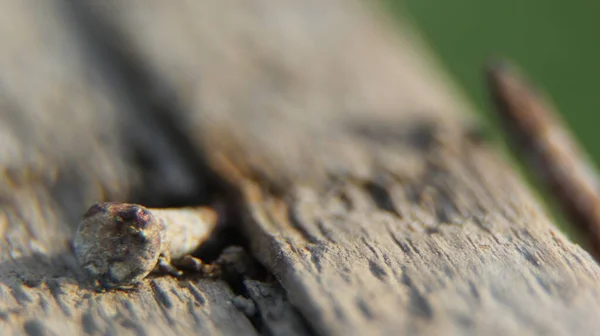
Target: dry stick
118,244
548,148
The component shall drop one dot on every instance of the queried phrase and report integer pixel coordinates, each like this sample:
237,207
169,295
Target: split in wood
548,148
118,244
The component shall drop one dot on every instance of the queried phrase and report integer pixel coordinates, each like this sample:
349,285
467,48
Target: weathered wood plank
352,265
359,185
70,136
244,80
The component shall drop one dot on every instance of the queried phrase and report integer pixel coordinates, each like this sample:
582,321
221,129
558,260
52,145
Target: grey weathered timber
353,174
71,136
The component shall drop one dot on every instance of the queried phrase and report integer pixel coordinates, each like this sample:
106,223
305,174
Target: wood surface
339,154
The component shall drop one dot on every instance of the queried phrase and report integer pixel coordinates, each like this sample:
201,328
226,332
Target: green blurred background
555,42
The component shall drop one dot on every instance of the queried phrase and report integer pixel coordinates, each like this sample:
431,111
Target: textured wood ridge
353,176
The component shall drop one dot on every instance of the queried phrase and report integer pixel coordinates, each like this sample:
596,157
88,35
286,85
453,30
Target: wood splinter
548,148
118,244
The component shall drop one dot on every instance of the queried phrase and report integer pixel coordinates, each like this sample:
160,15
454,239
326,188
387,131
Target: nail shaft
548,148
